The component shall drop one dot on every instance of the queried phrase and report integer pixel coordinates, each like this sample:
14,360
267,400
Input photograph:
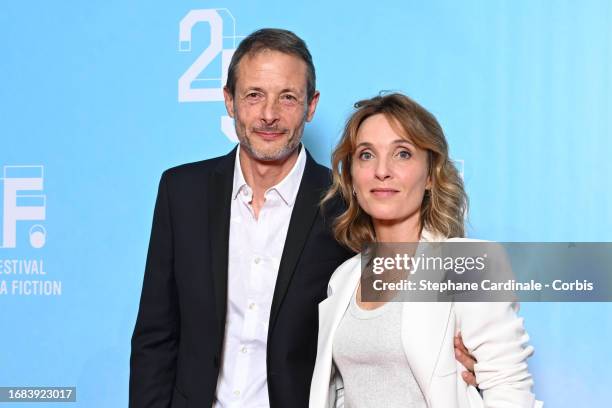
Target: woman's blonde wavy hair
444,205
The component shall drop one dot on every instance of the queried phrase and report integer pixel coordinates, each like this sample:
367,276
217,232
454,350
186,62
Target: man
240,252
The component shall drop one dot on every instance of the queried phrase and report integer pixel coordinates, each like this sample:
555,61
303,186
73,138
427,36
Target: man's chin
270,155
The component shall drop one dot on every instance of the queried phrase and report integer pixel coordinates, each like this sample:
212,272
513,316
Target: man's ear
229,101
312,106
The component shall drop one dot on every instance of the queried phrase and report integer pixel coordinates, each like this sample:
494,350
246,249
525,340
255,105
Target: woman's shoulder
345,269
428,235
463,239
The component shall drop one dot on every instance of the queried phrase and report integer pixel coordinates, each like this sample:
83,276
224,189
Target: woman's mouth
384,192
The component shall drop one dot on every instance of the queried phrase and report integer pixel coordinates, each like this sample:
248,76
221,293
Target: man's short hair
273,39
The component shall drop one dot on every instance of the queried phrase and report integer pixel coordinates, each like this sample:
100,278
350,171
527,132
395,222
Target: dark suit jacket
178,337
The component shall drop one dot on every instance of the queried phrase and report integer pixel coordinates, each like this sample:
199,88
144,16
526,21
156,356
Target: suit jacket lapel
303,215
219,208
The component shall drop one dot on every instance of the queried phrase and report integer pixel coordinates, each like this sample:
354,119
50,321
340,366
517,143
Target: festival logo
24,210
23,200
197,84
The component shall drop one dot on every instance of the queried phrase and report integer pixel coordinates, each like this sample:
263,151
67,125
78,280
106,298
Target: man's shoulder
316,172
198,170
315,166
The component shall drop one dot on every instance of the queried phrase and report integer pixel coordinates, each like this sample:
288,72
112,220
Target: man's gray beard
280,154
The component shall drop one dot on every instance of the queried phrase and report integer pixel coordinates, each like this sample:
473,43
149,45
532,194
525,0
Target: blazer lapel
219,222
303,215
423,328
424,325
331,310
342,290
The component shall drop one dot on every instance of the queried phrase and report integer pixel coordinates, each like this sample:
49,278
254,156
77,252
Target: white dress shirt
255,250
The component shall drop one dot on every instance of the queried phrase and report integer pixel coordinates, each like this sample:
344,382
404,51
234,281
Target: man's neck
261,175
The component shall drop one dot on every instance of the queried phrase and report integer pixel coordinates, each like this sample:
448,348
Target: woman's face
389,173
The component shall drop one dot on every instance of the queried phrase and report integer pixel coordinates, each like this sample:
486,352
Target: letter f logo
21,203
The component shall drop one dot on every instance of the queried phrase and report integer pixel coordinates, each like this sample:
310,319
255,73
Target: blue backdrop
98,98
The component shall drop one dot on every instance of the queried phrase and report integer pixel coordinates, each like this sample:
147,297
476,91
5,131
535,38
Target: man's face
270,105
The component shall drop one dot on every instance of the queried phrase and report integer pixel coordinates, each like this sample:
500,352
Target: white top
368,354
255,250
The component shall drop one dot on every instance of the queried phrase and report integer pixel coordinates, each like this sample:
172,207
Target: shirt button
257,260
252,306
237,393
243,349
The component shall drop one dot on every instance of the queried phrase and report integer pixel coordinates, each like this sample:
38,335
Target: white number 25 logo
187,92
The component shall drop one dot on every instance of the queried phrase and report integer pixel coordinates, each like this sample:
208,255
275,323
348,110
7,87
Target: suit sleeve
155,338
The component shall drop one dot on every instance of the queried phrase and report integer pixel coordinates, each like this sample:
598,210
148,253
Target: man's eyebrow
284,90
254,88
294,90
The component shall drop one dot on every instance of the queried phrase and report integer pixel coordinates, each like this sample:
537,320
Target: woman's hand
464,357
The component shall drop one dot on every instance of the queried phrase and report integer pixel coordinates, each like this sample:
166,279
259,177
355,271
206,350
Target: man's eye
253,95
288,98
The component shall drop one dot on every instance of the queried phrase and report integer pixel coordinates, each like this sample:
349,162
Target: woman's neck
406,230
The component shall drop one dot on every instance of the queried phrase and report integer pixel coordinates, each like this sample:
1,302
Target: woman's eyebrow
366,144
397,141
402,141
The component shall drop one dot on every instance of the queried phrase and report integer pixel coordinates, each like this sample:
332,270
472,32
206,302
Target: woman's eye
404,154
365,155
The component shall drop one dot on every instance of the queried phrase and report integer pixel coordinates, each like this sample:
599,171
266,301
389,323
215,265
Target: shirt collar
287,188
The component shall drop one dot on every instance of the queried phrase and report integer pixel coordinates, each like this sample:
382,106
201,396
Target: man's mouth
269,134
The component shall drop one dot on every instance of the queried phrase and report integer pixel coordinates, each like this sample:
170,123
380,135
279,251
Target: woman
393,169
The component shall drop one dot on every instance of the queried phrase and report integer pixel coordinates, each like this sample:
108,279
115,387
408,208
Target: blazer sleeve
155,338
496,337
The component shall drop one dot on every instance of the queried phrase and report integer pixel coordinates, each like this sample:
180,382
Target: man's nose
271,111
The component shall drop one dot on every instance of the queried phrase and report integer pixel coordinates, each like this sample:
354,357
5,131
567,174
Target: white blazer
492,332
